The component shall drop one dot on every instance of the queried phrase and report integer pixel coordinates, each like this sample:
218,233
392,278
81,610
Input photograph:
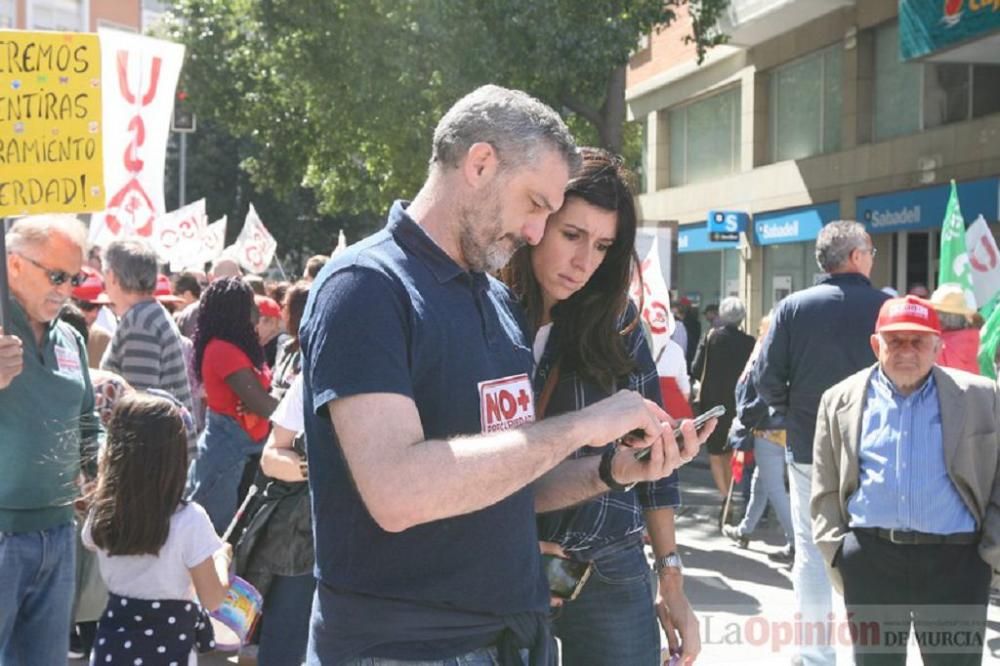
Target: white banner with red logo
178,234
213,242
654,294
140,78
254,247
984,261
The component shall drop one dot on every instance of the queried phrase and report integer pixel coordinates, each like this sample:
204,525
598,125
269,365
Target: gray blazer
970,428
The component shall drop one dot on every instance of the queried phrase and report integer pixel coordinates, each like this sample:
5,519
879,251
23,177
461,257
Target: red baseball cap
91,290
164,291
909,313
268,306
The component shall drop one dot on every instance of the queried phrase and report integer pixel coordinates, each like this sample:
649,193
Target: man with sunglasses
48,429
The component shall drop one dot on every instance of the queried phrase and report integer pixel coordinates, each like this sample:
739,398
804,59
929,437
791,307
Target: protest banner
141,79
51,150
254,247
178,234
653,293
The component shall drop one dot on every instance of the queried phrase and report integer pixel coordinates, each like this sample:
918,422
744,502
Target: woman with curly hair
230,363
588,344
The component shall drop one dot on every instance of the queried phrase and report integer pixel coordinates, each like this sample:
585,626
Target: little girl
154,549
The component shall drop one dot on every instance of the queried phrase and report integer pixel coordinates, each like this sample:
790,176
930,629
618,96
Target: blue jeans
813,591
768,485
214,476
613,621
37,576
284,629
480,657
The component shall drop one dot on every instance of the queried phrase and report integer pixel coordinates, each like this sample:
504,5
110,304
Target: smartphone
566,577
714,412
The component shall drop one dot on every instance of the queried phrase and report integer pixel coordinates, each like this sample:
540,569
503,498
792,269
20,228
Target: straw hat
951,298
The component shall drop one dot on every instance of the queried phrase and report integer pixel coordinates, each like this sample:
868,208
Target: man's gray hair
732,311
836,241
35,231
134,264
513,122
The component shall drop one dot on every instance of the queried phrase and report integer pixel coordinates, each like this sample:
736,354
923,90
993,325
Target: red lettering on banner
655,315
991,256
132,202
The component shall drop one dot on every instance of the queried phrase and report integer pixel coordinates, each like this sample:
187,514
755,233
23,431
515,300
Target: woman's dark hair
295,301
591,319
140,476
224,314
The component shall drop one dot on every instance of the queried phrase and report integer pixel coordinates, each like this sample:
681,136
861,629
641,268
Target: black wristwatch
604,471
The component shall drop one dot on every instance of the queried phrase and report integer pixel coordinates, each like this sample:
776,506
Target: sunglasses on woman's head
56,278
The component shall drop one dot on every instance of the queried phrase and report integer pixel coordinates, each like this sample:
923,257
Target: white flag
214,241
177,235
655,292
254,247
341,244
984,260
140,75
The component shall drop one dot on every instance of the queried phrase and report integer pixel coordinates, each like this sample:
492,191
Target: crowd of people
398,450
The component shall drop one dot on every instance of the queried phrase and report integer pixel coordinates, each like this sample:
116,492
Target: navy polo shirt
395,314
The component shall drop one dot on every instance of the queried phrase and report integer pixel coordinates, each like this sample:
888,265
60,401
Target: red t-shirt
222,359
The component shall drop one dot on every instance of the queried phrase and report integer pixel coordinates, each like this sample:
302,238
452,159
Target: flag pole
281,269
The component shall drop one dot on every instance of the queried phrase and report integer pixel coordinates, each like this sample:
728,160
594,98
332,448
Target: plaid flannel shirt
613,516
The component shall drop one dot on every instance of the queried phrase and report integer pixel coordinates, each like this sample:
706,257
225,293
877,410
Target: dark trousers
942,590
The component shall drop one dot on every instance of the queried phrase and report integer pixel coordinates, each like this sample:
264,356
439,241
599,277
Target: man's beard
480,237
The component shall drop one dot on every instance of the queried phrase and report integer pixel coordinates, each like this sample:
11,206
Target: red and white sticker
506,403
67,360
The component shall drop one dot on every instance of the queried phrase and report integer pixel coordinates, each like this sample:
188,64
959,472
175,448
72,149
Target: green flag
954,256
989,338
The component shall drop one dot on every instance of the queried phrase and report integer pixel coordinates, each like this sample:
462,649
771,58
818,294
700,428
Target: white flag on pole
254,247
213,242
984,260
140,76
177,235
341,244
654,293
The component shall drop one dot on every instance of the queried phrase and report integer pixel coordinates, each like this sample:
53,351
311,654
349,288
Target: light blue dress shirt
904,481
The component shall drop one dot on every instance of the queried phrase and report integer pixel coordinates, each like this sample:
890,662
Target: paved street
744,601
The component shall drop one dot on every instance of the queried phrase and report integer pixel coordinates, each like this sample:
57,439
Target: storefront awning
694,238
923,208
793,225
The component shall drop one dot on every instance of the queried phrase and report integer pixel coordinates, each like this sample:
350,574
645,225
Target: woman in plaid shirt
589,344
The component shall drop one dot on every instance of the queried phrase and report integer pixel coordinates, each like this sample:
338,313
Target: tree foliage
341,96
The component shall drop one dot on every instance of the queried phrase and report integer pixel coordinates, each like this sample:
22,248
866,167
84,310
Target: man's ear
480,164
875,342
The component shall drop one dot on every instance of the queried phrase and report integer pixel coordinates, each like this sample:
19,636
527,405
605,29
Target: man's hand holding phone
665,454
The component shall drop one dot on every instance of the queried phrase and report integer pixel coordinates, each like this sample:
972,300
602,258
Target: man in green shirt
47,429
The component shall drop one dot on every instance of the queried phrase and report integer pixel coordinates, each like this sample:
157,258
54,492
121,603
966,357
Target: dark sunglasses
57,278
86,306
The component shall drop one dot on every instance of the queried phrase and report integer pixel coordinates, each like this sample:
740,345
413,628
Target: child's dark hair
141,476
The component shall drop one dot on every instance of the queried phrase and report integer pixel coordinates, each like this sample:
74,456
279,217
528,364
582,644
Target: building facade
71,15
808,115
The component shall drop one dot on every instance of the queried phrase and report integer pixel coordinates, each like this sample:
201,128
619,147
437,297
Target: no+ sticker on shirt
506,403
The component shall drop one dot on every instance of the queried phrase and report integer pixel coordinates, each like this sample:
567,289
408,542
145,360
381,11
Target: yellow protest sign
50,123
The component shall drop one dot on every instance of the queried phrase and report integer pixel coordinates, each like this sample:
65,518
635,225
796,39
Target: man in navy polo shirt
419,410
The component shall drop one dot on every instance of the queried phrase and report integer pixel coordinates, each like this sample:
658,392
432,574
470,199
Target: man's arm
576,480
446,478
989,544
772,371
828,528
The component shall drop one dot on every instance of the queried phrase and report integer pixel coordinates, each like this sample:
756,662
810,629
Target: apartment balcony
750,22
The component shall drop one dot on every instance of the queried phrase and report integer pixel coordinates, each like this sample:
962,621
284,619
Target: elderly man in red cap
906,503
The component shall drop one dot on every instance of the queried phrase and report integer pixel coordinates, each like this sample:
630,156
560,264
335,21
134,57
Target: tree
341,96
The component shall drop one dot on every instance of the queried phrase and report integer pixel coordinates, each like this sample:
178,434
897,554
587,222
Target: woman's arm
244,383
211,578
279,460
